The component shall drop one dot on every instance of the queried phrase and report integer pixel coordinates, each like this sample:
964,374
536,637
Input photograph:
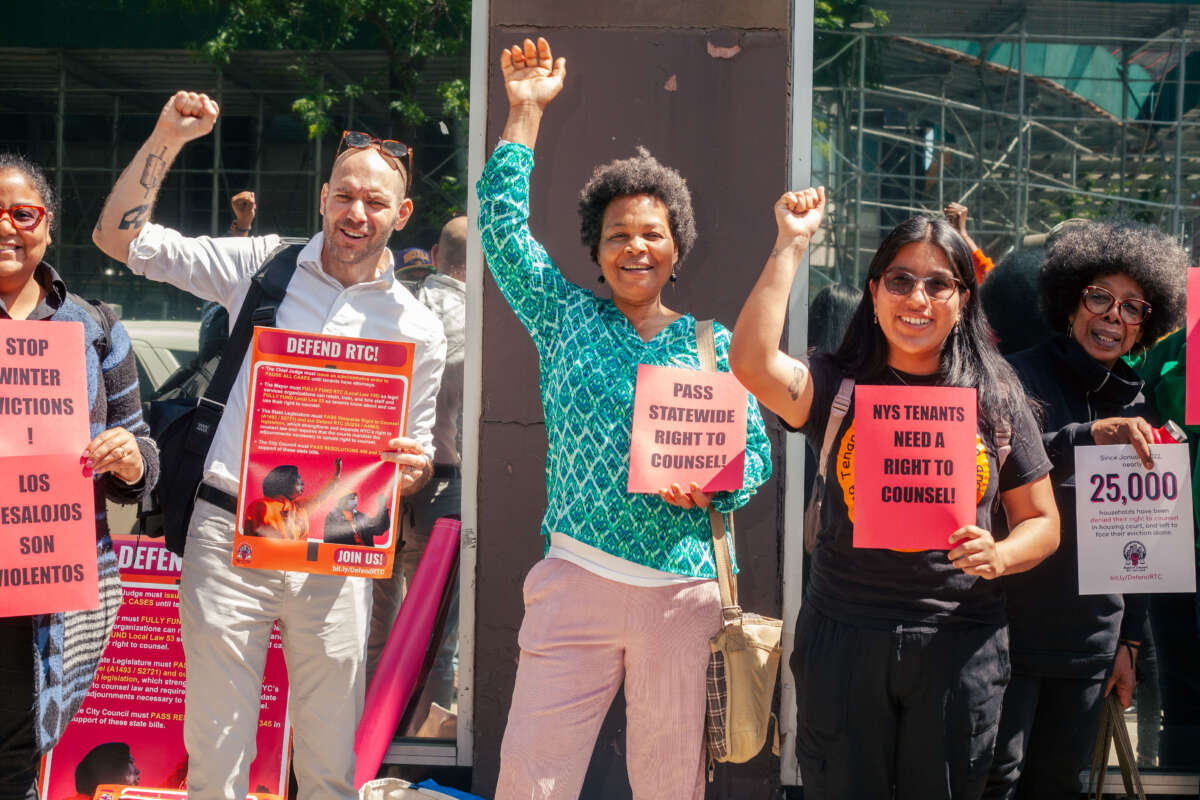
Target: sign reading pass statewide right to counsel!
1135,525
47,506
914,466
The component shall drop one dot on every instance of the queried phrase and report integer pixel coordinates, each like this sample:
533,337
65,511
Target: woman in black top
901,658
1111,287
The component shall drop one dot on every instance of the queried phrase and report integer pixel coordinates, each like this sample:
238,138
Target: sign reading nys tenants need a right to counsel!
914,468
688,426
1135,524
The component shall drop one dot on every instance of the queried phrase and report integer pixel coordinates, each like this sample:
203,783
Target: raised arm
780,382
532,78
186,116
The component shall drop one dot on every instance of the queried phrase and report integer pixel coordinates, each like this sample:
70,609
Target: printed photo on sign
47,502
1135,525
314,495
914,465
688,426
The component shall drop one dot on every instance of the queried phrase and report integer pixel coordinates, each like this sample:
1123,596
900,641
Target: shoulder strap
267,288
837,413
92,307
706,346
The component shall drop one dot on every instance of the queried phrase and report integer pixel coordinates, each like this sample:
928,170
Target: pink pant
581,636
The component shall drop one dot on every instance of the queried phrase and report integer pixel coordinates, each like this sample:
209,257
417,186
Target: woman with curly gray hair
626,593
1112,287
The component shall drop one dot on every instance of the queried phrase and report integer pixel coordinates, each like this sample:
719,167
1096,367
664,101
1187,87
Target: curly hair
280,480
33,173
1151,258
640,174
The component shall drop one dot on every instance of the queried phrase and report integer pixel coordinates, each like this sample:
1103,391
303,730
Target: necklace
899,377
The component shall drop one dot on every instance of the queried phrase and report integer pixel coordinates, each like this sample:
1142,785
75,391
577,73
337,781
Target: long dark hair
968,356
280,480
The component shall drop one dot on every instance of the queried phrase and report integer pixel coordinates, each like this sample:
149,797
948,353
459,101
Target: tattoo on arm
153,172
797,381
134,217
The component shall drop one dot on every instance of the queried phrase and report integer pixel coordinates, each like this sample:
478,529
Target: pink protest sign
687,426
137,698
1191,409
47,518
914,465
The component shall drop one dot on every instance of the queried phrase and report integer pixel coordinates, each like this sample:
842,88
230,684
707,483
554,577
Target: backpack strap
103,344
266,292
837,412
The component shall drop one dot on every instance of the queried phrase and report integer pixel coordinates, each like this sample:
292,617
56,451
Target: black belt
446,471
218,497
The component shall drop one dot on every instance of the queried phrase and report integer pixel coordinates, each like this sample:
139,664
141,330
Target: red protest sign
1191,409
914,466
687,426
47,517
315,496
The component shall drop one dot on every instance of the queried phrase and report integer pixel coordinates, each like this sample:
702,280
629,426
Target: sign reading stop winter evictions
688,425
47,509
1191,408
914,467
314,495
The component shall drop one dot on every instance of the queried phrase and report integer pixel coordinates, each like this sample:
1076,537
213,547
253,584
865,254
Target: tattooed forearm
796,384
153,172
134,218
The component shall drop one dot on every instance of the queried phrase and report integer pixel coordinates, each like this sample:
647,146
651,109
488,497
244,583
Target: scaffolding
1025,129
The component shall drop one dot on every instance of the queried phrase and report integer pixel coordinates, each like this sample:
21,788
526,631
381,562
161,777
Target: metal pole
799,176
214,203
60,139
942,152
258,146
858,163
1124,112
1177,210
1021,188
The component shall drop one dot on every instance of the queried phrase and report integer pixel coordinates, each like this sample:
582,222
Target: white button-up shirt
220,270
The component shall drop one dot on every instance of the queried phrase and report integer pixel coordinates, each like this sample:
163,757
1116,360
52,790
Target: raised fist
187,116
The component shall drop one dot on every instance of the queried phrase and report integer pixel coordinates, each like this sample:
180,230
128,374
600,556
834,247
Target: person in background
444,292
345,524
244,206
627,593
956,214
111,763
1109,287
901,657
343,285
48,661
1010,286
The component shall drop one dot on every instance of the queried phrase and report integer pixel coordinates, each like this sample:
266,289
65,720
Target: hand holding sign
115,450
693,498
976,553
1126,430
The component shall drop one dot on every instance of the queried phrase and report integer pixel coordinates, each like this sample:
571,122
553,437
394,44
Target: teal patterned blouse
589,355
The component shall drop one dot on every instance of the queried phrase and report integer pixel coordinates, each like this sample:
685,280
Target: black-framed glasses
936,287
1098,300
24,218
396,153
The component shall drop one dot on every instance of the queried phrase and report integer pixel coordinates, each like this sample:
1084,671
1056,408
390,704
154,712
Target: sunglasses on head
24,217
936,287
1098,301
398,154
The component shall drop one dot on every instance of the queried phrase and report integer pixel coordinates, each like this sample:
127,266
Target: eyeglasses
398,154
24,218
1099,300
937,287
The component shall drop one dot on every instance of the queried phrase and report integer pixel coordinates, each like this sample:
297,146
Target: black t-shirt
883,588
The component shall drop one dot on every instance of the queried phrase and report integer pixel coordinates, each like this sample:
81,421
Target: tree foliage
408,31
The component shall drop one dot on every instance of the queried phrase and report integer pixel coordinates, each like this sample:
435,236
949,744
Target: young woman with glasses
1111,287
900,657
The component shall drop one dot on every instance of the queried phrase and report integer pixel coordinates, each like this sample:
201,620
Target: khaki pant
227,614
583,636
